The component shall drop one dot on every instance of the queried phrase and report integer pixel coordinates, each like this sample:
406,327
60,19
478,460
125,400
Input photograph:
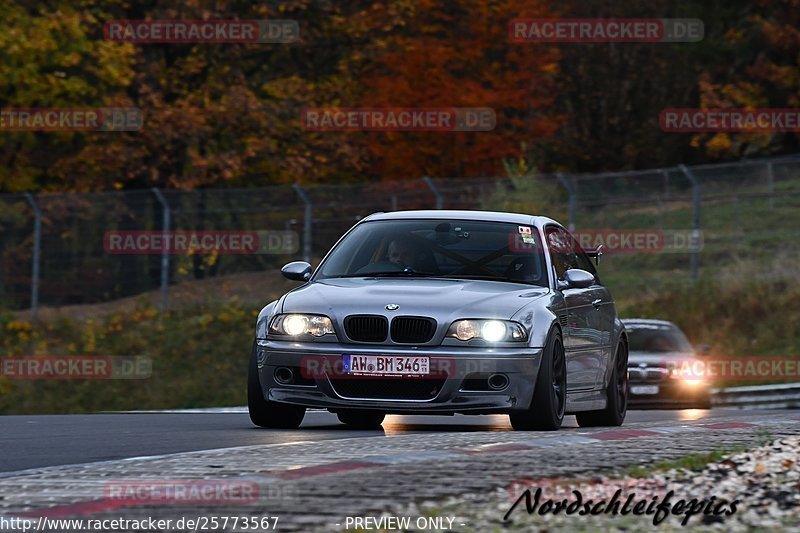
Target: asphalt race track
51,440
322,477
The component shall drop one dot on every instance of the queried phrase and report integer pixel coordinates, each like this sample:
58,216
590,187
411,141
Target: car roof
651,321
447,214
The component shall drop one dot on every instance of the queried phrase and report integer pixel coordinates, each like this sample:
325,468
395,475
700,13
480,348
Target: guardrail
781,396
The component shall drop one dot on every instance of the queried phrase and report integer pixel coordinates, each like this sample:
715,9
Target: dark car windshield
462,249
658,338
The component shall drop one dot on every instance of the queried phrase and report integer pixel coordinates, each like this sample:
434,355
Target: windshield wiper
488,278
408,273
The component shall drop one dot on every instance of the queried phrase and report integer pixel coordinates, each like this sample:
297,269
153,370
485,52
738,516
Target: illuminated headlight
493,331
295,325
488,330
687,375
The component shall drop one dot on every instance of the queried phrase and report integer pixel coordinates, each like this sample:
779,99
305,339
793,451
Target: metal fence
52,244
777,396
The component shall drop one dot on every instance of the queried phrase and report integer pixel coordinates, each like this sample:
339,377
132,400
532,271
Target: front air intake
366,328
413,329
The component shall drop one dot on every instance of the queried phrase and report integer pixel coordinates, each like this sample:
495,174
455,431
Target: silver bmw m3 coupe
442,312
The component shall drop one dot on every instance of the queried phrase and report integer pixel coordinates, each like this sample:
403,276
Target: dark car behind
660,354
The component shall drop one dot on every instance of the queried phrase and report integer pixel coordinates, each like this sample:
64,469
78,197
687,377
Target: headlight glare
295,325
493,331
488,330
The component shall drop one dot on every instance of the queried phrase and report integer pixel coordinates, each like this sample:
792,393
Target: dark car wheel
616,392
361,419
268,414
546,412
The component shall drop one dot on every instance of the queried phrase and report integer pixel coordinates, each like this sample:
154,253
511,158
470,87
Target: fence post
696,201
436,192
165,227
771,185
738,214
37,253
306,221
569,185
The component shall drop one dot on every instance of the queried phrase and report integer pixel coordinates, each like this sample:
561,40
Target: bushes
748,308
199,359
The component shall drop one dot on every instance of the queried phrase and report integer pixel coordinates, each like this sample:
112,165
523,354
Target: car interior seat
525,268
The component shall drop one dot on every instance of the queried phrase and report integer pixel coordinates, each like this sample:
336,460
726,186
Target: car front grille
648,374
366,328
388,388
413,329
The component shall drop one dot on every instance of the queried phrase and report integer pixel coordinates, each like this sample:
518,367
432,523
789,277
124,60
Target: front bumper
451,389
672,394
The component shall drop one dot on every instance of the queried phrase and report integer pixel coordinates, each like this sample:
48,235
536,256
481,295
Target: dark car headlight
488,330
296,325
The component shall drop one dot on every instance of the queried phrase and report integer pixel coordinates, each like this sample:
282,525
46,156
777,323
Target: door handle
597,303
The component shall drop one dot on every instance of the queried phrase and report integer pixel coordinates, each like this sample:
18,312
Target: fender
263,320
618,335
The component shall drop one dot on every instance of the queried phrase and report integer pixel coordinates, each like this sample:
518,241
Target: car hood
655,358
438,298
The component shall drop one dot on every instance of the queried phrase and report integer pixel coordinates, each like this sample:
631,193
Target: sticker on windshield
525,229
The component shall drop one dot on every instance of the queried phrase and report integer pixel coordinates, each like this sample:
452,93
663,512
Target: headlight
295,325
687,374
488,330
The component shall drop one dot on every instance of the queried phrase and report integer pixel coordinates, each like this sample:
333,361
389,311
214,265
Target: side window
566,253
584,262
561,250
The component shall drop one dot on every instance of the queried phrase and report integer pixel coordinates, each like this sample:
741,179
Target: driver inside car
404,253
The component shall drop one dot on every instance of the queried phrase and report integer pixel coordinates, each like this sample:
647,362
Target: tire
264,413
361,419
546,412
616,392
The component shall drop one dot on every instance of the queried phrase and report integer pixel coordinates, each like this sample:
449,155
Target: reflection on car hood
438,298
654,358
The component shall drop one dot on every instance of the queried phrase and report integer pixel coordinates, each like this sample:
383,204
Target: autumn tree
457,54
613,93
764,72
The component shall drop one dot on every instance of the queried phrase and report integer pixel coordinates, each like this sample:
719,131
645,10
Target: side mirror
297,271
702,349
575,278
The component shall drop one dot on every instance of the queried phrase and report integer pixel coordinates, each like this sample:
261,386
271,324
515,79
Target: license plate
385,365
644,389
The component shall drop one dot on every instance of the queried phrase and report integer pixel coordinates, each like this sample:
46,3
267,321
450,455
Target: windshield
462,249
658,338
